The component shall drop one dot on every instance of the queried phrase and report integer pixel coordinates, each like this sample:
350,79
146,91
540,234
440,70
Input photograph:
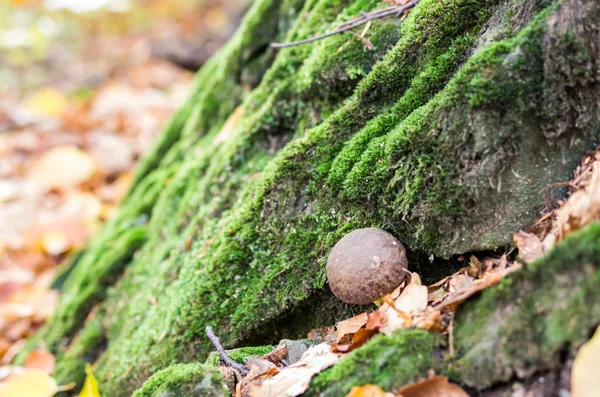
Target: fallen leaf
430,320
15,311
438,386
12,352
55,242
90,386
30,383
376,320
112,153
47,102
63,167
367,391
413,298
293,380
395,319
585,381
359,338
41,360
529,245
350,325
276,355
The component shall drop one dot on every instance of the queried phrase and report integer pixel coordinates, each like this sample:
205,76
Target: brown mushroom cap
365,265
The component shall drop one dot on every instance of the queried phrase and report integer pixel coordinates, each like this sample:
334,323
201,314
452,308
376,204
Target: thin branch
222,353
354,23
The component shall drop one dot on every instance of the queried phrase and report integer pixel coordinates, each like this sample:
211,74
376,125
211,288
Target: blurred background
85,86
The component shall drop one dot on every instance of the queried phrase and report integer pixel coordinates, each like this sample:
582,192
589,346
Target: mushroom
365,265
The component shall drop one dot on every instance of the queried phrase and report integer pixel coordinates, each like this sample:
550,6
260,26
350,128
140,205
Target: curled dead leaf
350,325
529,245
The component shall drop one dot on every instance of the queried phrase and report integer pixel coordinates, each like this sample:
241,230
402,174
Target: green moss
331,138
193,380
389,362
524,323
240,355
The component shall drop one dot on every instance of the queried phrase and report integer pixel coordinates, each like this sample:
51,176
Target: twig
222,353
354,23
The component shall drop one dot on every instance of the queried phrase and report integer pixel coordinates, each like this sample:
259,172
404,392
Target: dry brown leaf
438,386
293,380
413,298
41,360
585,381
395,319
529,245
367,391
475,268
350,325
376,320
276,355
583,206
430,320
359,338
489,279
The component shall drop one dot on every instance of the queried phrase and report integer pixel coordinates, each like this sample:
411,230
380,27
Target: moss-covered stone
529,320
387,361
513,330
443,135
190,380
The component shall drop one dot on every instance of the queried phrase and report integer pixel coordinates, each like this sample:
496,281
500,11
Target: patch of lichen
387,361
193,380
525,323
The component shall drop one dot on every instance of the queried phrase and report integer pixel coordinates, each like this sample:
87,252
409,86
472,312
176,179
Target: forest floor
84,89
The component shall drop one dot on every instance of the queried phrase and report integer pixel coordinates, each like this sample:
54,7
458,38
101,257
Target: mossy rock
443,134
526,325
190,380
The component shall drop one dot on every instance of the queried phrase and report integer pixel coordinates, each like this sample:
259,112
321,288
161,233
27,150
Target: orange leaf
350,325
360,338
367,391
438,386
40,360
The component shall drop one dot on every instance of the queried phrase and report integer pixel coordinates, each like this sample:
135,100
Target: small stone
365,265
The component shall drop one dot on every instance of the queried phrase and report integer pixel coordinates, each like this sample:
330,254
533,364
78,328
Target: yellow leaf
90,387
47,102
55,242
30,383
584,375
